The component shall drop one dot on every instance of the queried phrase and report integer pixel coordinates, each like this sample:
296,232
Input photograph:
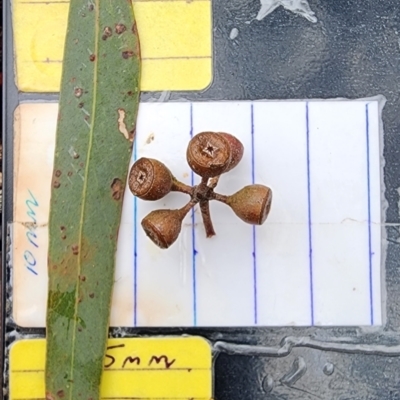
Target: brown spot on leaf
132,134
90,7
80,105
56,184
58,173
61,393
79,329
75,249
107,32
117,189
78,92
69,173
76,155
130,93
92,57
127,54
91,295
62,228
63,237
54,266
120,28
49,396
135,32
83,278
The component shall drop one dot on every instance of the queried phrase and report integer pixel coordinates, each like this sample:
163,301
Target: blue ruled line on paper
134,248
194,254
310,255
254,228
369,217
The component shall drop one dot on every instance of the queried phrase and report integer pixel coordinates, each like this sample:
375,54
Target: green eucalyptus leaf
95,131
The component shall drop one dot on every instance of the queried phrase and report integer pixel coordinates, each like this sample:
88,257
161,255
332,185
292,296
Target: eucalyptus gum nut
149,179
236,148
208,154
251,204
163,226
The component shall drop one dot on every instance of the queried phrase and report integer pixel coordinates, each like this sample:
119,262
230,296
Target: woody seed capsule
236,148
210,154
252,203
163,226
149,179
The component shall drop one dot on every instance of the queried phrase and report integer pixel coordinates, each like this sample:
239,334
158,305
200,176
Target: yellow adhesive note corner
137,368
175,37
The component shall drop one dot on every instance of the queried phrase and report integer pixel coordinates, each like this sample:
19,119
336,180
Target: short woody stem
185,209
205,213
178,186
221,198
204,182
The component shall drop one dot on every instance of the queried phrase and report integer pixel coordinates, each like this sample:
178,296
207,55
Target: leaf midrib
85,184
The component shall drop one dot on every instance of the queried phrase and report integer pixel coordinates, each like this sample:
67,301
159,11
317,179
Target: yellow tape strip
139,368
175,36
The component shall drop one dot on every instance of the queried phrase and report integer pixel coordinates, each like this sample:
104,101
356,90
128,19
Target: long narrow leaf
96,127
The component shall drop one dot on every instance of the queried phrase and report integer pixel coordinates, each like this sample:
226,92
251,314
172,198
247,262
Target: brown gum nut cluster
209,154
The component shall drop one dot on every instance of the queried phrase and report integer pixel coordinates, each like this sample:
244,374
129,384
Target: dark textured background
352,51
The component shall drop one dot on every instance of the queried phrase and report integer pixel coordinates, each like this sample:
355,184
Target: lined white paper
316,260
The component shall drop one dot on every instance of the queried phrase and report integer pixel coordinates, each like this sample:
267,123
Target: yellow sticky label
175,38
137,368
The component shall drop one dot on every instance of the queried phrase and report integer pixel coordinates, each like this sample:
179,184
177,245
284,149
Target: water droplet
234,33
328,369
268,384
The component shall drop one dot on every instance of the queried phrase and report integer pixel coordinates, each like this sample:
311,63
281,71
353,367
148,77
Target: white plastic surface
316,261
